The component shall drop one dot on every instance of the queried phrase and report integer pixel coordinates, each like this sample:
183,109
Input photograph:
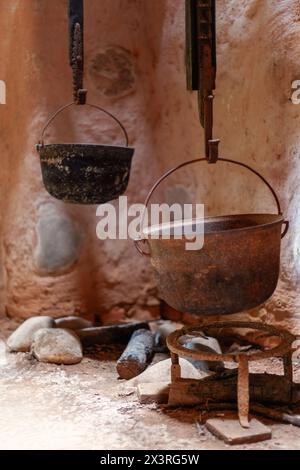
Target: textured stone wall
50,260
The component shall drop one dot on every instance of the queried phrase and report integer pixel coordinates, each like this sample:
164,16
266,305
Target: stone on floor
161,329
153,393
231,432
206,345
161,372
21,339
57,345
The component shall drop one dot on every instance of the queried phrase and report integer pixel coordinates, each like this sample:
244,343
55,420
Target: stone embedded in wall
58,242
112,71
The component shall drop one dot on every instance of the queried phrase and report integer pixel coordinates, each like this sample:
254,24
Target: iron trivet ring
284,350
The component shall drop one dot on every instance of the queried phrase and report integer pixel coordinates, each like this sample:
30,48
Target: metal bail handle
197,160
54,115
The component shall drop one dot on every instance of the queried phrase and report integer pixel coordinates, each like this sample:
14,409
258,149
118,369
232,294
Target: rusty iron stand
247,387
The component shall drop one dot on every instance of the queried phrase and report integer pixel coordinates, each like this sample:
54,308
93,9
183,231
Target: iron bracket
201,65
79,93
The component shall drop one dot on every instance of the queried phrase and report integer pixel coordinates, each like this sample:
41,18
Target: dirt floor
46,406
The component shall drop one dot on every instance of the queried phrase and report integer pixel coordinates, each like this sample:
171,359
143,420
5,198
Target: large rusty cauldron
237,268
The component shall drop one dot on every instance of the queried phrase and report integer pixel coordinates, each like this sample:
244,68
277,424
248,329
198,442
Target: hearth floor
44,406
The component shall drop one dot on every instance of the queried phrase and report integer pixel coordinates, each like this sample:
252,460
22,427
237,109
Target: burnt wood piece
137,355
276,414
112,334
264,388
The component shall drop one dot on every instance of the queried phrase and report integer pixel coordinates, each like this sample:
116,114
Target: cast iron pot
85,173
237,268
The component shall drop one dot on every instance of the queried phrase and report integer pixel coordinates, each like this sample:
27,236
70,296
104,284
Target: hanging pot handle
56,113
287,226
198,160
